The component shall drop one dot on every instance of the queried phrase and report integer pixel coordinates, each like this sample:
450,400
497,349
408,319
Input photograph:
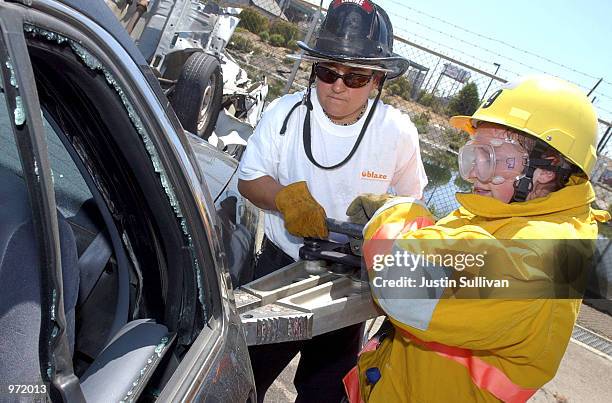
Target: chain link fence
434,88
267,33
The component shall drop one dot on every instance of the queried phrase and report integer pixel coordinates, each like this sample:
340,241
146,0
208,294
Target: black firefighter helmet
357,33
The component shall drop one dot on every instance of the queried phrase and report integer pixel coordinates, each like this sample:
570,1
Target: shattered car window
94,64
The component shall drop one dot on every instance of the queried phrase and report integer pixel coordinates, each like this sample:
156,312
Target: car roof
98,11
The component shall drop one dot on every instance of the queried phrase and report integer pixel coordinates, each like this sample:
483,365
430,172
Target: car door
162,290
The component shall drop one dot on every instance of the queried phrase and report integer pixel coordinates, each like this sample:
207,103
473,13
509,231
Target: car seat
20,286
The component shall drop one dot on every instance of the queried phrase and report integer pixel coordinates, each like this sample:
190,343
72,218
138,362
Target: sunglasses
351,80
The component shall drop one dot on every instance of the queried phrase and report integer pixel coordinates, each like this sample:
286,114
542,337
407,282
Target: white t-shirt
388,159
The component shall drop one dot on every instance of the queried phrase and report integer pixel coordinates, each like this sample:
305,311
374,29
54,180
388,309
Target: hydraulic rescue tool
325,290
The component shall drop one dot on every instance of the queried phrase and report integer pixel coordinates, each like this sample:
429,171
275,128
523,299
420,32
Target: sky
525,37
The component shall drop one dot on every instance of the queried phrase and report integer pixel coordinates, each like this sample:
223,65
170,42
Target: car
184,43
123,236
113,270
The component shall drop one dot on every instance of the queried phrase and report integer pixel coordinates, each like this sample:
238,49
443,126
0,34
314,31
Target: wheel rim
206,105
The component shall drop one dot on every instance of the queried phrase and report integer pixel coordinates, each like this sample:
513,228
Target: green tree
400,86
275,89
253,21
436,174
292,44
462,184
466,101
421,122
430,101
264,36
441,158
454,138
277,40
286,29
240,43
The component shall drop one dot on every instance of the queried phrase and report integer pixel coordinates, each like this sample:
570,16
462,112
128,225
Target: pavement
585,374
595,321
282,390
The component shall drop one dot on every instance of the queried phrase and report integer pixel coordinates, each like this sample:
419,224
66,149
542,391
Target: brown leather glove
303,216
364,206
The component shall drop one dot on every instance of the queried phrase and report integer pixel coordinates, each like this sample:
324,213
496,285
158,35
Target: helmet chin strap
524,185
304,101
306,133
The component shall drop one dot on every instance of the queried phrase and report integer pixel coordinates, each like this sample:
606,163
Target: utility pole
490,82
593,89
433,90
452,90
604,140
432,73
296,65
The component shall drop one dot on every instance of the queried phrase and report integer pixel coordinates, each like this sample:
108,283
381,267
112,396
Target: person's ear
376,79
543,176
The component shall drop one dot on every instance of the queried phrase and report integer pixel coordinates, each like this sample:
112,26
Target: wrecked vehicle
184,43
121,233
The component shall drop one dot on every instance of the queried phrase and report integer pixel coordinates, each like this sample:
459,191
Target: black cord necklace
352,122
306,133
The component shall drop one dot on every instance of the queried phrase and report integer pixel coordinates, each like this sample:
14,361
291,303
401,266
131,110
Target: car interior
117,290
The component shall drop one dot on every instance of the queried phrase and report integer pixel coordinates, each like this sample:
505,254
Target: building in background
270,8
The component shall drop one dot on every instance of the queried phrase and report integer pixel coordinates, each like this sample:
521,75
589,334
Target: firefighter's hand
304,217
364,206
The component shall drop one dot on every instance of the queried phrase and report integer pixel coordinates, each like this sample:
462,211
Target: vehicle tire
198,94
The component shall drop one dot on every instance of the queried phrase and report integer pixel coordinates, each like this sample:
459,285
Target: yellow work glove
303,216
364,206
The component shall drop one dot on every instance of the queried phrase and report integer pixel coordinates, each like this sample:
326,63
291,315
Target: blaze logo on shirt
373,175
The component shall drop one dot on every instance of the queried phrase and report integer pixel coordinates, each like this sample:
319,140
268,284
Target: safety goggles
351,80
492,162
